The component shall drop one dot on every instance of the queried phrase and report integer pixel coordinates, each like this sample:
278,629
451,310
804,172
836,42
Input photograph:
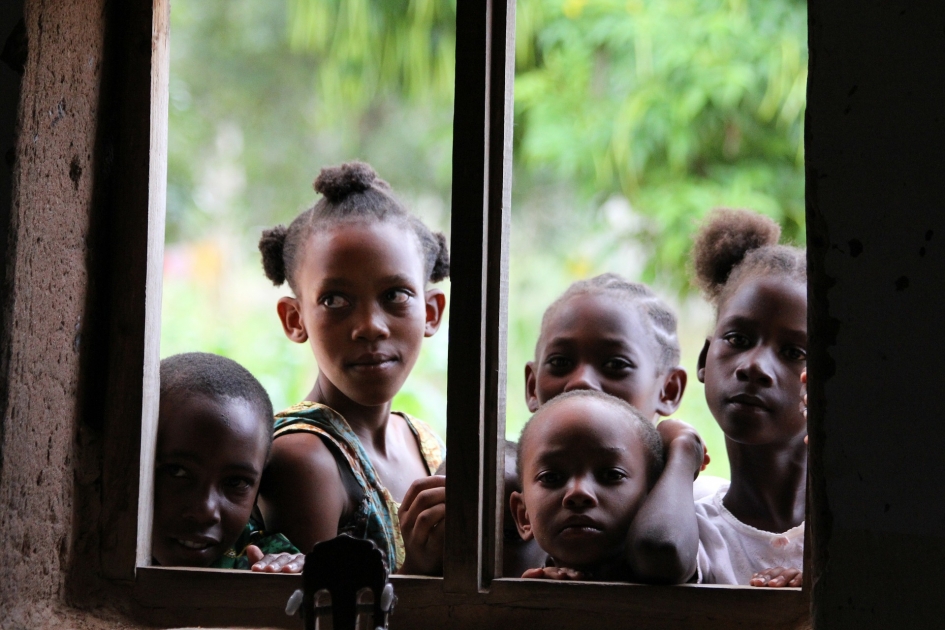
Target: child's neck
368,423
769,485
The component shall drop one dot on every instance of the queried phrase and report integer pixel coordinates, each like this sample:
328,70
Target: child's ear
700,367
290,314
674,386
531,387
520,514
436,304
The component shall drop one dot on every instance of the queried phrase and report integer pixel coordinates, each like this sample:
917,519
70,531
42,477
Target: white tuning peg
295,602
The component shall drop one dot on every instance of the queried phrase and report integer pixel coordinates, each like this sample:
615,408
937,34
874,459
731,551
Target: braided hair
661,319
351,192
734,245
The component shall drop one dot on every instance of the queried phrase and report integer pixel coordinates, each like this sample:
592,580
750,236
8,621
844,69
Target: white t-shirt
730,551
707,485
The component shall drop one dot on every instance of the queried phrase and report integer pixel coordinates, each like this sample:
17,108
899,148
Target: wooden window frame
469,593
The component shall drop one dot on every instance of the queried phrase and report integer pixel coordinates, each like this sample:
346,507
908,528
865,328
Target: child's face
364,307
752,363
584,477
210,458
597,342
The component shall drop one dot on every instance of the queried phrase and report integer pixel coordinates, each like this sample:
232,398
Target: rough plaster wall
876,218
51,204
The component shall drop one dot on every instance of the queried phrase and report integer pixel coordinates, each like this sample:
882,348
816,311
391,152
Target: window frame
470,591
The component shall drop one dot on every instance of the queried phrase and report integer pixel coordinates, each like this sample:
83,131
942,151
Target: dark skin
364,309
751,367
584,478
209,460
601,342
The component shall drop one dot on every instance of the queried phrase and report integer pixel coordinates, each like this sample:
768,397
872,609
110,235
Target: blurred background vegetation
633,118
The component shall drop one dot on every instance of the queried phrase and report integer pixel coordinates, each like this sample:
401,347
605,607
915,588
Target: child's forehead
768,297
185,414
594,314
580,423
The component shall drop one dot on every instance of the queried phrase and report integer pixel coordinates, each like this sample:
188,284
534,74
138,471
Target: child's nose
583,377
205,508
756,366
371,324
580,493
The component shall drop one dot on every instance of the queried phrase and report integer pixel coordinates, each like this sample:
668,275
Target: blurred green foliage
632,119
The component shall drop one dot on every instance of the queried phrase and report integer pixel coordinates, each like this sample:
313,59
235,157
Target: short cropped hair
652,444
216,377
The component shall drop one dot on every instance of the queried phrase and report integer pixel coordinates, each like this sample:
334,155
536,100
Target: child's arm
302,494
422,514
664,538
778,577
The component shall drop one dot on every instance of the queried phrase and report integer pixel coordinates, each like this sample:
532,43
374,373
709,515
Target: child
751,365
358,265
214,436
615,336
587,461
610,335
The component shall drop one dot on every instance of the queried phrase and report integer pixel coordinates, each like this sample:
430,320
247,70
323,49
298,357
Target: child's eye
240,484
613,475
558,362
618,364
550,478
795,353
398,296
333,301
737,340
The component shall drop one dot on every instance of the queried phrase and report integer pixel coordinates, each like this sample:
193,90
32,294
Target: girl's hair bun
272,248
337,182
441,263
724,240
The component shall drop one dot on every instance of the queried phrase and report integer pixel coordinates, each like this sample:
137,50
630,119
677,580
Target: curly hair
661,319
652,444
734,245
351,192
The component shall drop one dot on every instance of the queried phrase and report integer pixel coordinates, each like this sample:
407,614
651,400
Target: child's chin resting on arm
587,461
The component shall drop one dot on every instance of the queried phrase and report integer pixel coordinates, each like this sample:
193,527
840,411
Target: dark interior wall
12,56
47,263
876,216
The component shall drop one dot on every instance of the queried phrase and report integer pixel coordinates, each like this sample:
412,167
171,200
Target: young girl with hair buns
752,531
359,267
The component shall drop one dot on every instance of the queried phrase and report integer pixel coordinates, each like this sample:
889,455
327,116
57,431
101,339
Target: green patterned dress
375,517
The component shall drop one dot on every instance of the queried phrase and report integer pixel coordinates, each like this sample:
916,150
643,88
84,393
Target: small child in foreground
587,461
214,437
752,531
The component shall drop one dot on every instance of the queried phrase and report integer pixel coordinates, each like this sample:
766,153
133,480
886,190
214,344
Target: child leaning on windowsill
587,462
214,437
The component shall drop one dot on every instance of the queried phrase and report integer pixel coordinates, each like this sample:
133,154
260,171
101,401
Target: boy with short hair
214,437
587,462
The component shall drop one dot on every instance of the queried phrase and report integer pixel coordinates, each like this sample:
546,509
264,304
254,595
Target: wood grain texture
239,598
130,48
502,77
160,71
466,380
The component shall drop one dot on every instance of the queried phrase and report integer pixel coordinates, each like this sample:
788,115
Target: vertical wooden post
480,216
132,235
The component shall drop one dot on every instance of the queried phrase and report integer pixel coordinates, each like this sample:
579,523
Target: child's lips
372,361
749,400
196,543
